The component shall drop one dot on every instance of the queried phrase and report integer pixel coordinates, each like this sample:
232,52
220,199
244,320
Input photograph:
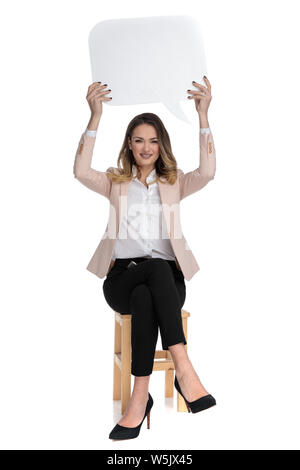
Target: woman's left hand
202,97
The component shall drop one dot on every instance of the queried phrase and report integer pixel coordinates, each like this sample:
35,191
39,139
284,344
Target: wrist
93,122
203,119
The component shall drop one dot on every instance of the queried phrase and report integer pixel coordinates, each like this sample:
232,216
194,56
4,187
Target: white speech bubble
148,60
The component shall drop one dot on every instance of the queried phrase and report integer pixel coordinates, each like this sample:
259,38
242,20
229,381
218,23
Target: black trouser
153,292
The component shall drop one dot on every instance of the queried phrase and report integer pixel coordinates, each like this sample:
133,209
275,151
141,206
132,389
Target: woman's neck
145,172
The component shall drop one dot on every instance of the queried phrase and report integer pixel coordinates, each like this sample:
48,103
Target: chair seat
122,362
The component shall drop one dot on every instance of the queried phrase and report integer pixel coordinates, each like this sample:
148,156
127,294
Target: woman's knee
140,294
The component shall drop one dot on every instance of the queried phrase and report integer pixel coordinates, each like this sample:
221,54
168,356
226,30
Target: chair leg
126,363
117,371
169,382
169,379
181,406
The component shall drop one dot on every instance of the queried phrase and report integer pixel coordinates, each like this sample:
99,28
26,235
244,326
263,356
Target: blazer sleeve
195,180
97,181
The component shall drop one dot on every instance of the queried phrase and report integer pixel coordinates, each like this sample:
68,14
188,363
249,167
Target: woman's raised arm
195,180
95,180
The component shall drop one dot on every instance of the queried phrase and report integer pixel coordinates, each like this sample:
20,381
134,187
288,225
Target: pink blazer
171,195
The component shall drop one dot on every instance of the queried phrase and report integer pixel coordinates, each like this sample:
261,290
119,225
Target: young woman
144,258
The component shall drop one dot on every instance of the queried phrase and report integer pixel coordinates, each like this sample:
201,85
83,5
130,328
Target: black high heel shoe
200,404
121,432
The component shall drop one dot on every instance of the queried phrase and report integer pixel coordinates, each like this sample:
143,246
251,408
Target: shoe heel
148,420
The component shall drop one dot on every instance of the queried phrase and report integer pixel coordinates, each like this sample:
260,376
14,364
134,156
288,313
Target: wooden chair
122,362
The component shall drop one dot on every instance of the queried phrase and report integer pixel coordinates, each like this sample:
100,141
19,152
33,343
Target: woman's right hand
95,95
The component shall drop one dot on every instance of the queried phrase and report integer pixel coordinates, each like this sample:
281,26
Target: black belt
132,261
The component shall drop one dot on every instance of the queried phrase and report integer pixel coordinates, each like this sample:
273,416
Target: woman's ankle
183,369
141,386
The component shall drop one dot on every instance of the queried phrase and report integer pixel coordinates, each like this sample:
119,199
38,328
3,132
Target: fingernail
98,82
193,81
204,76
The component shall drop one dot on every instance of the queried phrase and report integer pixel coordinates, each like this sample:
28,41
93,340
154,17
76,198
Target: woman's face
144,145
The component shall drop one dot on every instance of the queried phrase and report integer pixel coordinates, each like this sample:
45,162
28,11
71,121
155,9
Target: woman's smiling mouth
146,155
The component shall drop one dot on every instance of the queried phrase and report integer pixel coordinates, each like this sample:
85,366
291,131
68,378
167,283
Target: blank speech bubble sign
148,60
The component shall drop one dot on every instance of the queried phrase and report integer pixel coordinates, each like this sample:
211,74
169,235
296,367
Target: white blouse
143,229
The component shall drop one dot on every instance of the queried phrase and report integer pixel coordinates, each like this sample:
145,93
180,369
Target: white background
56,328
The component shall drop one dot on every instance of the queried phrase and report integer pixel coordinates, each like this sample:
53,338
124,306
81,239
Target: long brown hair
165,165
